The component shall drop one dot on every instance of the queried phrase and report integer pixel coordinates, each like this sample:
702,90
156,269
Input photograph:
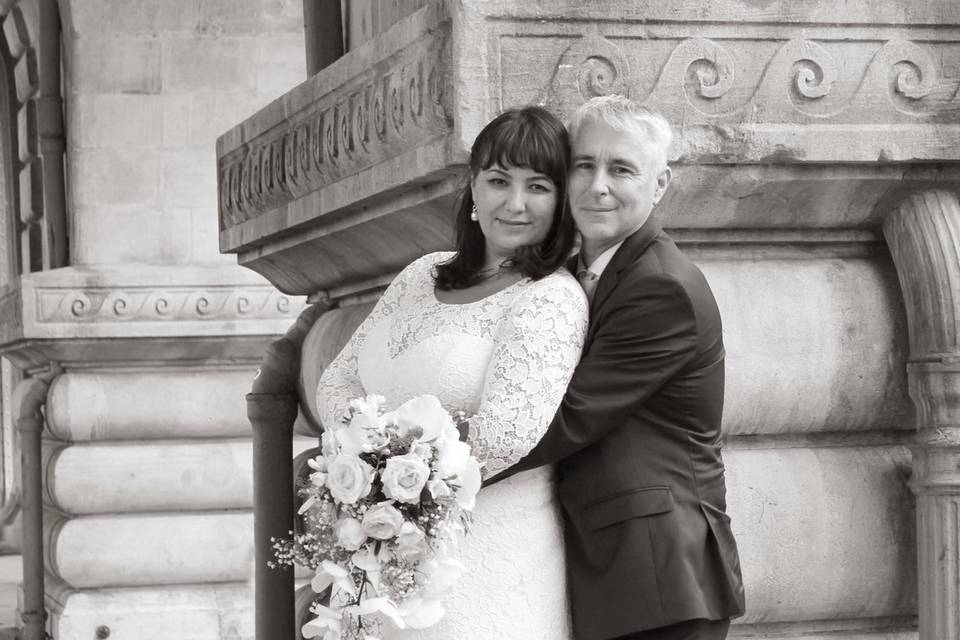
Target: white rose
404,477
349,533
349,478
382,521
411,540
423,415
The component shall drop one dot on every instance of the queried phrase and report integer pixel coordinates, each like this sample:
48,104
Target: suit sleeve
647,333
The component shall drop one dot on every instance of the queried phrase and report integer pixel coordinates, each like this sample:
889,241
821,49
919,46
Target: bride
494,329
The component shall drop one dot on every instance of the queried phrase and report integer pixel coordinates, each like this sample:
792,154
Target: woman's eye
497,181
540,188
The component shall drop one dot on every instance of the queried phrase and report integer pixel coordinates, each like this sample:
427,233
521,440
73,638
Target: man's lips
597,209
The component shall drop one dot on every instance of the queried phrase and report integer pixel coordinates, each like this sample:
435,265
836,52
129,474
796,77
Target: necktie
588,280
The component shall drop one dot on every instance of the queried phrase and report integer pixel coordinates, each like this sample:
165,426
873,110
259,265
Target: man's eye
583,165
623,171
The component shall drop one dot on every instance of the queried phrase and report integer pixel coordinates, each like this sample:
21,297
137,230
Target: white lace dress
507,358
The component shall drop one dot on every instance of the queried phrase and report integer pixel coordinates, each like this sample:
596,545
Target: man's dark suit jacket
637,441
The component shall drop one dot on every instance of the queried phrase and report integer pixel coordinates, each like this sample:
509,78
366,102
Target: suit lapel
631,249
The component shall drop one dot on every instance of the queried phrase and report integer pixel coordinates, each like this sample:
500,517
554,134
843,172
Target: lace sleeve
340,381
537,349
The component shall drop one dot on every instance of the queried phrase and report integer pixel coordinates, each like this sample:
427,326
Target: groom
650,552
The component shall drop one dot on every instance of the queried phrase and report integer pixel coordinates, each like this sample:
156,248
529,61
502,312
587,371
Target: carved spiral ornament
202,306
161,305
702,70
915,69
809,81
598,77
814,69
910,81
79,305
122,306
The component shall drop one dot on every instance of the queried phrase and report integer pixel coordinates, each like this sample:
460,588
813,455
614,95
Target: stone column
924,238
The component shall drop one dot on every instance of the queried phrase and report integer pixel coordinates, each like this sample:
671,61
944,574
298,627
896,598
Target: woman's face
515,207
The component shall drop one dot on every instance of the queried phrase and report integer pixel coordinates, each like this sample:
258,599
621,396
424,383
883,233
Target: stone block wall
149,87
151,335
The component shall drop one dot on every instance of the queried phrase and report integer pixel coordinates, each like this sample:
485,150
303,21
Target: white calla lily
379,605
331,573
420,613
327,620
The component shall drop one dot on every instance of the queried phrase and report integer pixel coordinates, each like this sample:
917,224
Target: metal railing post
272,407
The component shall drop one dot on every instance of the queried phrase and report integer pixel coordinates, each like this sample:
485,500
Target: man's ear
663,181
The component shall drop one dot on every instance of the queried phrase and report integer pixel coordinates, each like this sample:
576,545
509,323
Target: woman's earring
473,213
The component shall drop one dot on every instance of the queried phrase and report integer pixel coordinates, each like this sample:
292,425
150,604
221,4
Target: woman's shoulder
559,286
424,266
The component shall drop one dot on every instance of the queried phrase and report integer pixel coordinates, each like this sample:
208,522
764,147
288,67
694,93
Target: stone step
11,573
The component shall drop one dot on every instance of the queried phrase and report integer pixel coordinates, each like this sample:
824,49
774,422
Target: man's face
616,178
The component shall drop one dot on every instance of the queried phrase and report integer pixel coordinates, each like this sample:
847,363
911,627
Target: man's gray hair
623,114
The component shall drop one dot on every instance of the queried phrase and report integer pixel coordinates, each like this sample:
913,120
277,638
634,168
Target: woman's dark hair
530,138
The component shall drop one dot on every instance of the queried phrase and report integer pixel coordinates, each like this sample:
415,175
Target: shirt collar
601,262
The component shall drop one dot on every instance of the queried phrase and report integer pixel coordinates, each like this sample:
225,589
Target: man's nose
600,185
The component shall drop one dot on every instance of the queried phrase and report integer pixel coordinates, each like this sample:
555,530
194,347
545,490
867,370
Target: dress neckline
433,294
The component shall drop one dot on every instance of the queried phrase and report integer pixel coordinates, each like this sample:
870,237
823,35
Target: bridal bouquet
384,507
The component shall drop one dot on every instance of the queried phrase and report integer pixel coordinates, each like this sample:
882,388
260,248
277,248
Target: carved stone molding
777,93
924,238
106,314
394,102
797,79
160,304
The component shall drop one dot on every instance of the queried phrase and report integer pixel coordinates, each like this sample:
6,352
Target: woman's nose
516,200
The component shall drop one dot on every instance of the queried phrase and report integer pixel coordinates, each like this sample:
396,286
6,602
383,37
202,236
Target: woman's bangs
519,148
